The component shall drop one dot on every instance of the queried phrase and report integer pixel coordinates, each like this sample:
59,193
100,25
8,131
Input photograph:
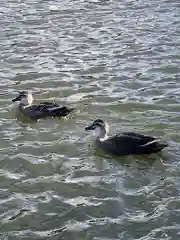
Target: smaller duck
42,110
126,143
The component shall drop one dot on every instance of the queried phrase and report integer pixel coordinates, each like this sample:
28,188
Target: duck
126,143
41,110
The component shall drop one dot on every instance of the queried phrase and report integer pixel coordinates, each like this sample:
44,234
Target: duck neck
102,133
26,102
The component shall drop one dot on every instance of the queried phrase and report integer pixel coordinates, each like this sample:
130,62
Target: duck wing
52,109
145,138
47,105
133,143
58,111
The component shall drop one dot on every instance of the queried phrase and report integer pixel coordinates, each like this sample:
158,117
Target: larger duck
125,143
41,110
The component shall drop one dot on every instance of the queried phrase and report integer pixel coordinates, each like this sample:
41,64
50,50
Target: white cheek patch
30,99
24,100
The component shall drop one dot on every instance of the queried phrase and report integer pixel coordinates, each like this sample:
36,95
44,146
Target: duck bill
16,99
90,127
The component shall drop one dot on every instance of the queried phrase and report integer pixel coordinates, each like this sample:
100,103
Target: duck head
24,97
101,127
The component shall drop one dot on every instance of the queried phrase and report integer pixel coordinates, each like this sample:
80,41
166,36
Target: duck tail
61,111
160,146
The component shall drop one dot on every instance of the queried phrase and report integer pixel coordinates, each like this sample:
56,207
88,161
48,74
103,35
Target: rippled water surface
115,60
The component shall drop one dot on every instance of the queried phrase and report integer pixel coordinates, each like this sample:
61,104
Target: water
115,60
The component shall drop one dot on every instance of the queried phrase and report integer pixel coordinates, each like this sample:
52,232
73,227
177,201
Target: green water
115,60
